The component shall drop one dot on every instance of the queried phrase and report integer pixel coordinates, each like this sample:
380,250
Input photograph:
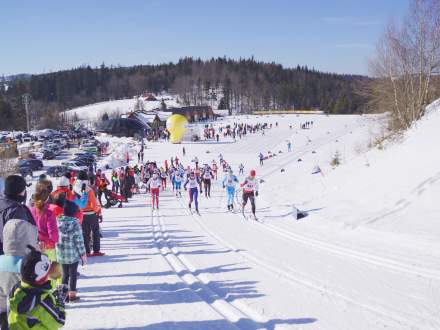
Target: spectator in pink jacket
45,219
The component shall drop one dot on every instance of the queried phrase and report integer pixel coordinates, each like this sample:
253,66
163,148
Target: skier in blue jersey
230,182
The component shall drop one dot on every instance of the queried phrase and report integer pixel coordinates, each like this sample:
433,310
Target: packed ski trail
173,269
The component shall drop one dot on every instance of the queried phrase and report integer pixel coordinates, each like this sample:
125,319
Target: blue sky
329,35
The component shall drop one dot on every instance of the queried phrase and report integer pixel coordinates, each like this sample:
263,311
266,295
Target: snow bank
391,189
117,152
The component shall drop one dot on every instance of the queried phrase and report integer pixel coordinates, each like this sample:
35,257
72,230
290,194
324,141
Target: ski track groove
358,255
290,278
232,312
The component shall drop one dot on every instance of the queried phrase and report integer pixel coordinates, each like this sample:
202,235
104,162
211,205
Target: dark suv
34,164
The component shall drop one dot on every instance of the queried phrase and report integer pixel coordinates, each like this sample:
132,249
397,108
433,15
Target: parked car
53,147
48,154
24,171
90,148
83,162
34,164
89,157
36,155
85,155
57,171
75,165
60,142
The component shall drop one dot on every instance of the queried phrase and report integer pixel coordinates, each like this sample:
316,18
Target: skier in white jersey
250,191
207,177
154,183
193,181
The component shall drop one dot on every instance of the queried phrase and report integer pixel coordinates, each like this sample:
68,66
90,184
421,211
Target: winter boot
72,296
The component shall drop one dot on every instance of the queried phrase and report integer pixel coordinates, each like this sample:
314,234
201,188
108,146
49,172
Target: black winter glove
256,193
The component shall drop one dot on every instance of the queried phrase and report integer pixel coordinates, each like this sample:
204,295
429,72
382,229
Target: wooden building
194,113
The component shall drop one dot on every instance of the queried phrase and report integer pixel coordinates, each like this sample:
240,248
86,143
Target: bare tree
406,59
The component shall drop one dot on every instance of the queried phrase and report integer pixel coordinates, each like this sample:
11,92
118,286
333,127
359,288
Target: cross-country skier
178,183
250,191
172,174
154,184
207,177
198,177
146,179
214,169
193,183
163,177
196,161
241,169
261,157
229,182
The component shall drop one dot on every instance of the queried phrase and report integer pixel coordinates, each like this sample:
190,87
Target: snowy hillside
365,257
94,112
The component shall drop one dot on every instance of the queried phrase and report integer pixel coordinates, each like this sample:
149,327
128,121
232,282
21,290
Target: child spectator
70,248
32,303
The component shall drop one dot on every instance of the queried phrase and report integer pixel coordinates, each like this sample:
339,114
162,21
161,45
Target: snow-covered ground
365,257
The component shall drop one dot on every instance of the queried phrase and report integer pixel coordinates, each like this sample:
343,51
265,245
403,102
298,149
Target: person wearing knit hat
15,185
64,182
35,267
12,204
32,302
64,187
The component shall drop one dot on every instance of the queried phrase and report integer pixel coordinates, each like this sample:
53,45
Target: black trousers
251,197
90,227
4,321
207,184
70,273
99,191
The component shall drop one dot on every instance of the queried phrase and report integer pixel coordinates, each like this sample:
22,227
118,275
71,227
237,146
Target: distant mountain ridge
15,77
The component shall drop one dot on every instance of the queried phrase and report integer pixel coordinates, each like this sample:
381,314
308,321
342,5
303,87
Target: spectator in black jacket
12,204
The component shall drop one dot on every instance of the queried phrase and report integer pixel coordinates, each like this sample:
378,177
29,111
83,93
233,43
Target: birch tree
407,57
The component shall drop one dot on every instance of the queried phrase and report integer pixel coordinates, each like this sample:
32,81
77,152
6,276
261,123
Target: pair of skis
249,217
196,212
